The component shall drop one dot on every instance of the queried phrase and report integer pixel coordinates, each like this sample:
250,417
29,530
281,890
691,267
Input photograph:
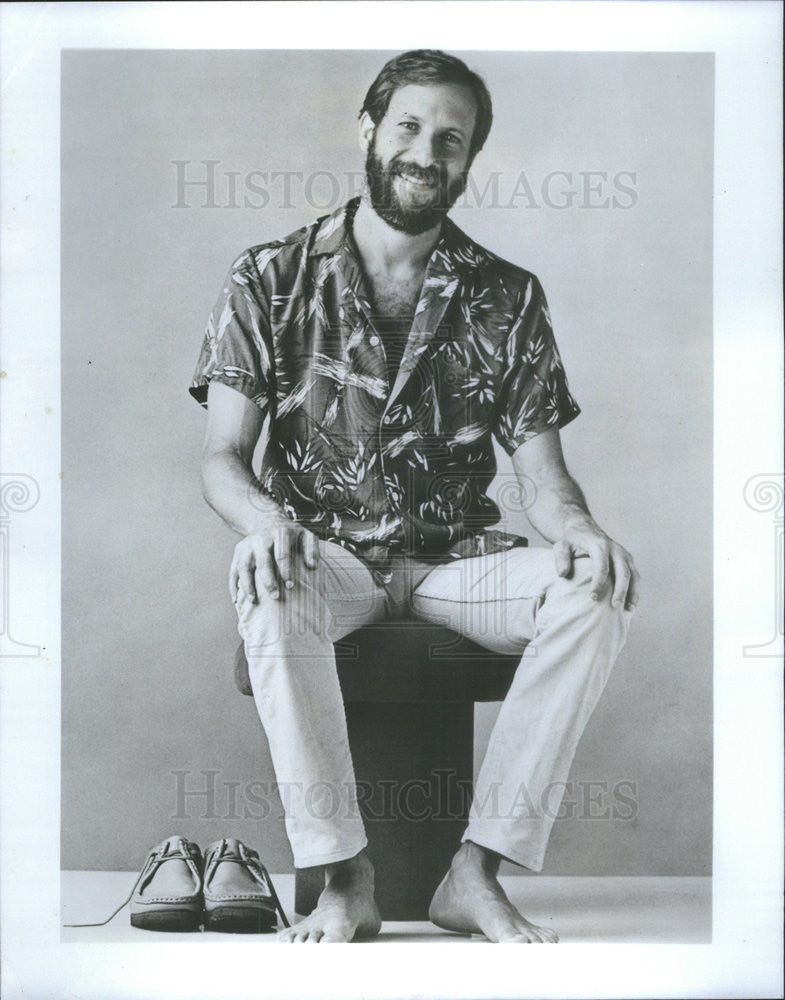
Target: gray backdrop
621,240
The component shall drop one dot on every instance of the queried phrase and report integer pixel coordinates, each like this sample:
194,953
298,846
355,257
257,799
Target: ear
366,131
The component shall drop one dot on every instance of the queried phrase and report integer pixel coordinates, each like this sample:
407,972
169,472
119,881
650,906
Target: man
387,350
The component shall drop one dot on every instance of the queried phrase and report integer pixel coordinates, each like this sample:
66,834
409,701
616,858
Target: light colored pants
509,602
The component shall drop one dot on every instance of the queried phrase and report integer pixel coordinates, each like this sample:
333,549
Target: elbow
205,484
205,478
212,469
222,465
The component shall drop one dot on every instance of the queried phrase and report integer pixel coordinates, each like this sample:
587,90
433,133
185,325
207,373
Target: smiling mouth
420,182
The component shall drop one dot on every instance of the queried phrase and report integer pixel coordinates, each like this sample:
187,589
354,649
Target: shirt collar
454,251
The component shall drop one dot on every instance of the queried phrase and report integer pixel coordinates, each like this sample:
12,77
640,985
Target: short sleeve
535,395
236,346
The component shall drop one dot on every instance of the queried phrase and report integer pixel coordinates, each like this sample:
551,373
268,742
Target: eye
409,126
452,139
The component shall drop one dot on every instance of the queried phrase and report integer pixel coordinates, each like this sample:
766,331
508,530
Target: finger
245,576
310,546
234,579
284,557
600,573
621,581
266,578
562,554
633,593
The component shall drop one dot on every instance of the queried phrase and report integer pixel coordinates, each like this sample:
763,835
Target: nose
423,150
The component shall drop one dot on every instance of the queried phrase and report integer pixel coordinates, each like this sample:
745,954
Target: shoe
239,897
168,892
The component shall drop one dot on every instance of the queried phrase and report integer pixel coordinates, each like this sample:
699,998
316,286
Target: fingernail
289,584
275,595
630,607
595,597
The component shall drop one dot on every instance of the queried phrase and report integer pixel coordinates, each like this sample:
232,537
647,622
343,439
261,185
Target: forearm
233,491
559,505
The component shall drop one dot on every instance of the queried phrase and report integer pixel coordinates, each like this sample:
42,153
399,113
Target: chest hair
395,297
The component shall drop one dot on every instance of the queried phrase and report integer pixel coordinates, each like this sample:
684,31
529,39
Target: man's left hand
613,568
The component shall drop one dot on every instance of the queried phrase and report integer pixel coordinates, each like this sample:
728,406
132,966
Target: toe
542,935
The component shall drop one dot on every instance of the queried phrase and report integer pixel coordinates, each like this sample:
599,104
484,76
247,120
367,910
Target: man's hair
430,66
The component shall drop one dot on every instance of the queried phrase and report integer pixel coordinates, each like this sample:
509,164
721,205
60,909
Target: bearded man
387,350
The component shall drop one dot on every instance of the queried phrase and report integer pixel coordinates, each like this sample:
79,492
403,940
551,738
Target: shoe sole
239,920
167,920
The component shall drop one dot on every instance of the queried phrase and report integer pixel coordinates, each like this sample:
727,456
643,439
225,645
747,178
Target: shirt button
373,341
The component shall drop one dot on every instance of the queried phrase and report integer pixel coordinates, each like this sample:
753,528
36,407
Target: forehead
445,104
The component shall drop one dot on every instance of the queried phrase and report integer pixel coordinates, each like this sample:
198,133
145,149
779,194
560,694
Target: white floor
580,910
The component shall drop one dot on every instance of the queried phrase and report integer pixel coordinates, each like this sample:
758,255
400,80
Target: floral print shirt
385,468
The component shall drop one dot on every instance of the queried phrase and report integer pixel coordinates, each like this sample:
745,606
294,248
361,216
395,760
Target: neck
386,247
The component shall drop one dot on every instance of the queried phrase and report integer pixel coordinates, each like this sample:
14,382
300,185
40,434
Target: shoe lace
260,873
154,858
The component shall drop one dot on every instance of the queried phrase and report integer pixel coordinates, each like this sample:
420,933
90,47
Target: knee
271,620
578,589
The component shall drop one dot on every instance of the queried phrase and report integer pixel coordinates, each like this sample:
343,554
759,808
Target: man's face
417,157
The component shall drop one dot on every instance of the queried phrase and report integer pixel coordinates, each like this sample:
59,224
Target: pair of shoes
179,889
228,889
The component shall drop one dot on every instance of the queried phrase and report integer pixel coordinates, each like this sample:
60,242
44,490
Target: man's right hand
268,560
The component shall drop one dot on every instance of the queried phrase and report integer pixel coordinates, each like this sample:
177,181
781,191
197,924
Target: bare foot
470,900
346,910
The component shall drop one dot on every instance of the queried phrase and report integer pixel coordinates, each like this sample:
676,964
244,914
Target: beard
412,219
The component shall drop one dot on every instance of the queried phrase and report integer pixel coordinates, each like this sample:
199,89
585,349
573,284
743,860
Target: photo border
745,956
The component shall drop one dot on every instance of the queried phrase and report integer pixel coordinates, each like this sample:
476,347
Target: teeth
416,180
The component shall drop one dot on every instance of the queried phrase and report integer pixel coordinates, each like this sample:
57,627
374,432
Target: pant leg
292,669
515,602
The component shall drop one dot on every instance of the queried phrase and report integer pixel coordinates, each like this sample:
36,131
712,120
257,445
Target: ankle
475,857
360,864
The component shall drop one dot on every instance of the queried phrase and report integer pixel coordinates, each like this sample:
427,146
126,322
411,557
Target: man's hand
611,565
268,558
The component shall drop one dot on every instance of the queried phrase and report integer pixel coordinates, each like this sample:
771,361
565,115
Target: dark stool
409,690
